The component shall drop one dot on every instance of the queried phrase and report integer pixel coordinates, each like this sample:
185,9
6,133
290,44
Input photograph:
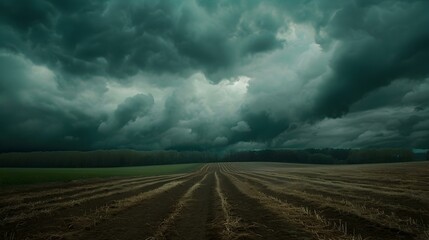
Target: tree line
325,156
123,158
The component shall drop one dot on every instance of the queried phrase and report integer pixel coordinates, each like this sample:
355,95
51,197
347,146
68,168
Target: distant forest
122,158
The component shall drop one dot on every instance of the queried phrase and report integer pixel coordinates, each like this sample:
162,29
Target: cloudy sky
213,75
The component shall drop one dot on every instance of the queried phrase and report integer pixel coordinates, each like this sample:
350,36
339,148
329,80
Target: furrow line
83,194
369,221
309,221
413,200
52,193
31,213
230,222
346,197
106,211
184,200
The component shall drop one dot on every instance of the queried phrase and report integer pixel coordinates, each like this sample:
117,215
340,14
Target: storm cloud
213,75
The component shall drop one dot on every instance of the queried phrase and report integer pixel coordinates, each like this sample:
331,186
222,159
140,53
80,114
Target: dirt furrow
229,224
65,198
367,175
168,229
348,198
71,216
225,201
15,198
339,182
356,224
410,200
142,219
254,220
201,218
49,208
398,186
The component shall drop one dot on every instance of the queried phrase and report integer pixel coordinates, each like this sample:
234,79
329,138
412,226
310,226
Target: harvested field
229,201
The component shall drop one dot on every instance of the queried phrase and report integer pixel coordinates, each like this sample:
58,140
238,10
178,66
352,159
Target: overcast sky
213,75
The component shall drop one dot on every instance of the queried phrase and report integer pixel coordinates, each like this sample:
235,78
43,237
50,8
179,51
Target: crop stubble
230,201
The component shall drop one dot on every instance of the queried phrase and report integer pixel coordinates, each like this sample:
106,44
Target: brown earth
229,201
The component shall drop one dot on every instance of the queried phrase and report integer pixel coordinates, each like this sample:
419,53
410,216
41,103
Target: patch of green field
17,176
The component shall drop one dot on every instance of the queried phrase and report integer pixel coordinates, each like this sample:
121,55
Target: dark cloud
378,43
371,44
125,37
400,127
386,117
34,113
25,15
241,126
264,127
213,74
128,111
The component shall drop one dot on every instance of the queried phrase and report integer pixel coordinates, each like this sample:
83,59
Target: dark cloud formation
373,43
381,44
213,75
120,38
36,114
128,111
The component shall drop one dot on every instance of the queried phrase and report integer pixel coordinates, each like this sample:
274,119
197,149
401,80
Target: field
229,201
18,176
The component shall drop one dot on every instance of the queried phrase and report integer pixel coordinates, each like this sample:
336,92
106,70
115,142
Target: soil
206,204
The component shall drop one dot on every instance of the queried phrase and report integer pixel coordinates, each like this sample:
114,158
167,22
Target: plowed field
229,201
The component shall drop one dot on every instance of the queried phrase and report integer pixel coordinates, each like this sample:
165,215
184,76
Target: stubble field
229,201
